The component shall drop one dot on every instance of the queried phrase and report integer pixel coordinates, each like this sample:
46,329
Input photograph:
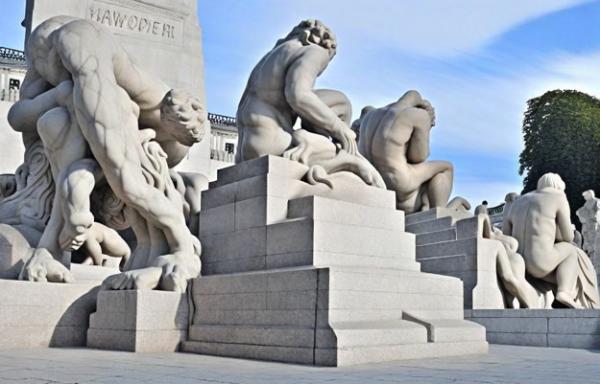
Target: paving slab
504,364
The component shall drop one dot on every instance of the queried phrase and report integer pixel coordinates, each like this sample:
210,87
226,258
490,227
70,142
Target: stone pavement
504,364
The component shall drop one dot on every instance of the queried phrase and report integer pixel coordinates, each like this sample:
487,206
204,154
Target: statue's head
551,180
588,195
184,117
511,197
313,32
42,54
356,123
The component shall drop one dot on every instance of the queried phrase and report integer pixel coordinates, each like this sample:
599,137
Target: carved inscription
131,21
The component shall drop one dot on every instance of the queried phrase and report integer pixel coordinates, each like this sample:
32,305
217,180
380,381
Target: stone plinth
313,275
139,321
562,328
448,244
36,315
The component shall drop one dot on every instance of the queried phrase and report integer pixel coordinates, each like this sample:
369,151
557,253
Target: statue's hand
346,138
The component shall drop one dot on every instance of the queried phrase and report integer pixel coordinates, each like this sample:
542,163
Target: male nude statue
395,139
540,221
104,99
280,90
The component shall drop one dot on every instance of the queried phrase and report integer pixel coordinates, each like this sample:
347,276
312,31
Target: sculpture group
102,138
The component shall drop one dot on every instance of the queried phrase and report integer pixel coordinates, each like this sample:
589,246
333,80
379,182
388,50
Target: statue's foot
42,267
145,278
566,299
179,267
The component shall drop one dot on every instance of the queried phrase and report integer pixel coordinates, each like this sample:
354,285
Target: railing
497,210
11,95
224,121
221,155
12,55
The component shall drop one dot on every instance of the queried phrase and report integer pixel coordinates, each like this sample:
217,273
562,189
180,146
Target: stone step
429,226
337,357
368,292
305,241
447,248
42,315
436,237
274,165
341,212
341,334
436,213
448,330
139,321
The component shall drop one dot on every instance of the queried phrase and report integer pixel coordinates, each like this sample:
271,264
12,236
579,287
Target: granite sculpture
279,95
540,222
395,139
589,216
510,266
102,137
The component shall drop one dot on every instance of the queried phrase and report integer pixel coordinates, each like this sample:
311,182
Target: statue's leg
110,127
567,271
63,144
75,191
438,176
512,273
338,102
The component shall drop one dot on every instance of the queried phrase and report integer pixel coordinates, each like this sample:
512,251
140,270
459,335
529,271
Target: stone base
563,328
37,315
448,244
317,275
139,321
331,316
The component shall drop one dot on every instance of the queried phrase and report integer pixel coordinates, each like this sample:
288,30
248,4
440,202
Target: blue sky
478,62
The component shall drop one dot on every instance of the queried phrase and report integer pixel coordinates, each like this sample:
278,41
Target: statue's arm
299,84
418,145
563,221
24,114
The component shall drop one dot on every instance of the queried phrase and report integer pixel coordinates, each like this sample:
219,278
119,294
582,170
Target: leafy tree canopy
561,132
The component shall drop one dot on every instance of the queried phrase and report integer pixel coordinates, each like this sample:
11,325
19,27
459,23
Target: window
229,148
14,84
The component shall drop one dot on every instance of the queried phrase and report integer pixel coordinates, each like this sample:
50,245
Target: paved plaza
504,364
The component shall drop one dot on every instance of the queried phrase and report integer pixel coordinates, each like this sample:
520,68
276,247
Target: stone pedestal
448,244
38,315
562,328
139,321
307,274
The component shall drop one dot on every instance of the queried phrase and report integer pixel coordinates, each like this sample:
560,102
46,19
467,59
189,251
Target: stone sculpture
395,139
510,265
83,103
589,216
540,222
280,91
8,185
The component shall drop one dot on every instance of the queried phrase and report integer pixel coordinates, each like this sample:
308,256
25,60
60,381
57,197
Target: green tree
561,132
